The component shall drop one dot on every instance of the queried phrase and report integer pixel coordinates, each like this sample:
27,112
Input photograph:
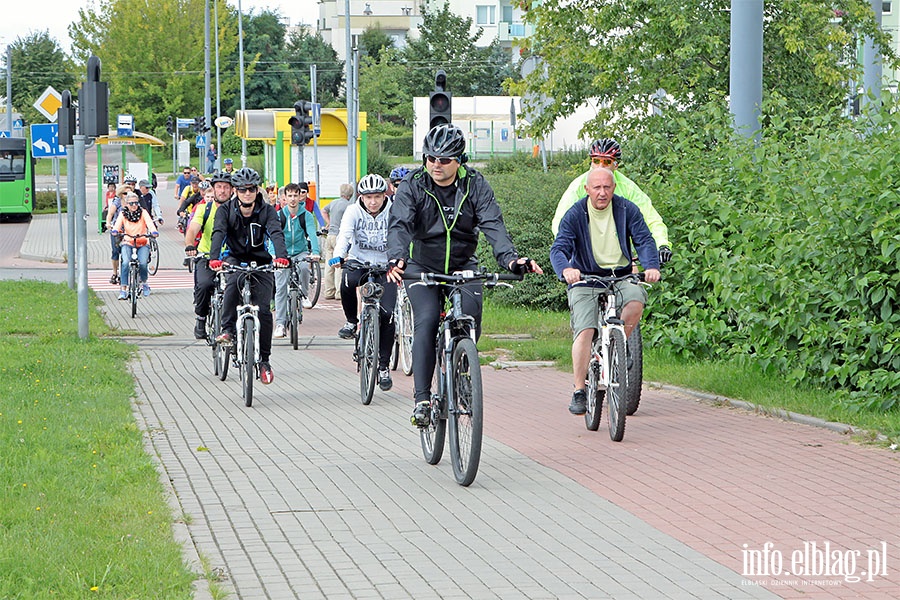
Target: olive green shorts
584,301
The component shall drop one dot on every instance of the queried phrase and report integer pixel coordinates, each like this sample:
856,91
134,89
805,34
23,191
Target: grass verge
81,507
552,340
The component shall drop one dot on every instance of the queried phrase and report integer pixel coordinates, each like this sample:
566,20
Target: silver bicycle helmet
446,140
245,178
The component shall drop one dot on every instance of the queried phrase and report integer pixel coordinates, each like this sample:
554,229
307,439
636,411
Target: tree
382,94
623,52
267,77
373,40
304,49
152,54
37,62
445,43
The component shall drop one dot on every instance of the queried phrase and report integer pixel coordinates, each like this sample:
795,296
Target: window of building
886,7
486,15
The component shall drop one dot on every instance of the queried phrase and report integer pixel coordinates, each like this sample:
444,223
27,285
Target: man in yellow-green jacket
607,153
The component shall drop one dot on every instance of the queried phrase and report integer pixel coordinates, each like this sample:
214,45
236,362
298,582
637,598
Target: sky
19,19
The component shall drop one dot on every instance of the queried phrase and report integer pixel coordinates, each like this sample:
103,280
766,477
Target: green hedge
787,250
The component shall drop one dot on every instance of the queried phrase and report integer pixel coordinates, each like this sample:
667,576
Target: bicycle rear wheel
466,412
635,356
248,368
395,352
315,282
615,392
432,437
134,289
153,263
406,329
594,394
294,312
368,352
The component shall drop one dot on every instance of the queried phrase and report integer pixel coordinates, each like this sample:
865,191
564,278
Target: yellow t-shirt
206,231
604,241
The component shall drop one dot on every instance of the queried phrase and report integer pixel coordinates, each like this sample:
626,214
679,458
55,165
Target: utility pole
241,57
746,65
872,63
348,86
206,91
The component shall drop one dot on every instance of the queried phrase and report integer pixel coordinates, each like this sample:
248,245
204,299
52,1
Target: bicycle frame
245,311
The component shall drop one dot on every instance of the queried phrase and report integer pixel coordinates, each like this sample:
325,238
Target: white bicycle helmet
371,184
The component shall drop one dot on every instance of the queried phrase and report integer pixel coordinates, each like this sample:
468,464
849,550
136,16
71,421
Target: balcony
507,32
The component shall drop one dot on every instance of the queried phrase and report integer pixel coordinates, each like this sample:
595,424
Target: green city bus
16,177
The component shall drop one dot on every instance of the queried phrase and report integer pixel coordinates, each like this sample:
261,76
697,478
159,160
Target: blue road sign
317,119
200,142
18,124
185,123
45,141
4,134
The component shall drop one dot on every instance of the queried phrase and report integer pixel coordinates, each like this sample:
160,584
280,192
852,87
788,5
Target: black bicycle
134,277
153,260
296,297
457,395
367,338
220,352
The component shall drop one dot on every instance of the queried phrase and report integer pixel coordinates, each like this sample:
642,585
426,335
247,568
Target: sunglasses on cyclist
444,160
247,189
132,203
603,162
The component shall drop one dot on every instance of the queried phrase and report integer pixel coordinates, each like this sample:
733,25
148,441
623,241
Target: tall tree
382,94
373,40
623,52
444,42
37,62
304,49
267,81
152,54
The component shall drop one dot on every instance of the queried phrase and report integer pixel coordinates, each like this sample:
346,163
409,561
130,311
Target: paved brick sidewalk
309,494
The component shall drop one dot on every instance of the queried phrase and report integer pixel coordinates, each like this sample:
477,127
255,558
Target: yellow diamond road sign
49,103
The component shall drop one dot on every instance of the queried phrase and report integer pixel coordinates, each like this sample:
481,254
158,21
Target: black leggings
262,288
427,304
349,282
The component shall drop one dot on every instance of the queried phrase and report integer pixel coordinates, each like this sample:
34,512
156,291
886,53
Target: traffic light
200,125
301,123
170,125
93,102
439,102
66,119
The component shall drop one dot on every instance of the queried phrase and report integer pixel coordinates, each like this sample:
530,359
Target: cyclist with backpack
296,223
201,226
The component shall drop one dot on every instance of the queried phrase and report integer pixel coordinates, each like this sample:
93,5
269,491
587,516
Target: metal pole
9,122
872,63
70,216
746,65
218,92
81,235
313,85
355,108
206,89
241,57
348,87
62,239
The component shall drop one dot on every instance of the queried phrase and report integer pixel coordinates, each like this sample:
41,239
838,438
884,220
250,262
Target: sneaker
307,303
384,379
123,295
279,331
265,372
421,415
578,406
200,328
145,289
348,331
225,339
114,279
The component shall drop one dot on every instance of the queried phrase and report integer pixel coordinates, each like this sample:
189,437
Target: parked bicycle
367,337
607,370
457,395
403,333
296,298
245,352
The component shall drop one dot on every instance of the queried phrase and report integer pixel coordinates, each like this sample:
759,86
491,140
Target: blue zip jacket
296,229
572,246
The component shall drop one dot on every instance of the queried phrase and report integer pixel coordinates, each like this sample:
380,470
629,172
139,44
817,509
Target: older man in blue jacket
594,238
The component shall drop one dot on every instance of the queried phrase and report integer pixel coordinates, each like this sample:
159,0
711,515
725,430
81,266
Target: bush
381,164
231,145
45,201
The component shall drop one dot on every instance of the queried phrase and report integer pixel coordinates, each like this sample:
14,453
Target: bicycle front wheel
466,412
248,368
594,394
153,264
368,352
406,330
134,289
635,356
432,437
294,312
615,391
315,282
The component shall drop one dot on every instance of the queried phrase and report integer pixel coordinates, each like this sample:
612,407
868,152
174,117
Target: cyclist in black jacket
244,223
435,220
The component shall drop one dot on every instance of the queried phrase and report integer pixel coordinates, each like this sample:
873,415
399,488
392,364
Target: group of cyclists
428,220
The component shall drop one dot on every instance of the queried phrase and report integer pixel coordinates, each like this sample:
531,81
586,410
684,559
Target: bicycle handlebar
461,277
251,268
608,279
367,266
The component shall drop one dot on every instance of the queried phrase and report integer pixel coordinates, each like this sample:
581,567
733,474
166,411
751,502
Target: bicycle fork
248,312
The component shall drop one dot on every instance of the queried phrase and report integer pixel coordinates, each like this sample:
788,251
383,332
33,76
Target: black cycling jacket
246,237
441,241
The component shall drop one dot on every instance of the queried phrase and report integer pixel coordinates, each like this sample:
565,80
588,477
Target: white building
401,18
